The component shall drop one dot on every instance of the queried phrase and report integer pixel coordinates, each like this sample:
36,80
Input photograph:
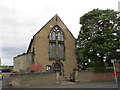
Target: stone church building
52,47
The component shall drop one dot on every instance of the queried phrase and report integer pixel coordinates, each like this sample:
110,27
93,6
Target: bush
91,69
109,70
99,69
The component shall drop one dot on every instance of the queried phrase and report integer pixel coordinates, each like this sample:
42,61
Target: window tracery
56,43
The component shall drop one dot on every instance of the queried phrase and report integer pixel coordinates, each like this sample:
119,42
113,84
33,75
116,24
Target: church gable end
56,20
53,46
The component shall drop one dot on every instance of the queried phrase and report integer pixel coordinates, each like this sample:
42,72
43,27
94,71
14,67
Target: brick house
53,46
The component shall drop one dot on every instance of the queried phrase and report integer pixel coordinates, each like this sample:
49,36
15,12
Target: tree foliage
99,36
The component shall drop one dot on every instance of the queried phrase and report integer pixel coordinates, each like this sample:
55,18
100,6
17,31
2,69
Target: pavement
5,81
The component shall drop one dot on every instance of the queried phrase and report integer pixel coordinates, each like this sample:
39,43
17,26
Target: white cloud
21,19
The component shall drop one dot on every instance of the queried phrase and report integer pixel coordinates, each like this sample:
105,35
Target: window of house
61,50
48,68
56,43
52,50
59,36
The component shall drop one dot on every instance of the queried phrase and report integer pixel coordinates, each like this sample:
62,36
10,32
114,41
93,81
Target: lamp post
115,74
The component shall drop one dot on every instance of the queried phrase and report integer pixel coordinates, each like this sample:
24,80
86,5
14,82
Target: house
53,47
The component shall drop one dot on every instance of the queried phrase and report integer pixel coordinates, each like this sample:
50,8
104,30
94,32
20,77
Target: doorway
58,67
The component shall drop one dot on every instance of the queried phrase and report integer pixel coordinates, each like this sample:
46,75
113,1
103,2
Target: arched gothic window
56,44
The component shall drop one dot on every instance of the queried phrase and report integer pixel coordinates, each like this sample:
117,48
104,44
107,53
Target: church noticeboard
34,67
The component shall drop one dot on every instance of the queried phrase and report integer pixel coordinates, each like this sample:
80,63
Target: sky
21,19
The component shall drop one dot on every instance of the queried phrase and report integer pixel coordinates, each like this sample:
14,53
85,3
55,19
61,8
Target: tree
99,37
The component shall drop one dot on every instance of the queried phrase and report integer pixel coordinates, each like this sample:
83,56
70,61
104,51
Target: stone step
67,82
62,78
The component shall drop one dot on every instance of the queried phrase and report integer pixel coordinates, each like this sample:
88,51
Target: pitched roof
64,25
54,17
30,45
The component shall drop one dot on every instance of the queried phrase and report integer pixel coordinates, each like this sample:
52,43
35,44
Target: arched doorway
58,67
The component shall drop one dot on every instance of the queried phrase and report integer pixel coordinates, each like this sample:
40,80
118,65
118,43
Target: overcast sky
21,19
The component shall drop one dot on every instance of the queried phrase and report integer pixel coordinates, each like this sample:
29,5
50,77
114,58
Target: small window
53,36
50,36
62,37
59,36
48,68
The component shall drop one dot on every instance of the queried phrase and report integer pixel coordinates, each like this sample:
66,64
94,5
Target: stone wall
50,78
22,62
32,79
86,76
103,77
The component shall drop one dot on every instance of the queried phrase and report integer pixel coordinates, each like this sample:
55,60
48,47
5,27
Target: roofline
21,55
61,21
30,45
67,28
44,26
37,33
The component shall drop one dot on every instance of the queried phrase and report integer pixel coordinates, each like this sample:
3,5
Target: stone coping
94,72
31,73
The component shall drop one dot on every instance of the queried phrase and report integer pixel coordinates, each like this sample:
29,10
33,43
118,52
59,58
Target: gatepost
76,75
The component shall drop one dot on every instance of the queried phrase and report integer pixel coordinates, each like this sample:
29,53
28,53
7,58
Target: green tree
99,37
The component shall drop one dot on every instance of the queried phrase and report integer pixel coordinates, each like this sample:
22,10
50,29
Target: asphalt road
110,84
76,85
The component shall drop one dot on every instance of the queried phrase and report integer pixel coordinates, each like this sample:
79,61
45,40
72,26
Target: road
77,85
110,84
